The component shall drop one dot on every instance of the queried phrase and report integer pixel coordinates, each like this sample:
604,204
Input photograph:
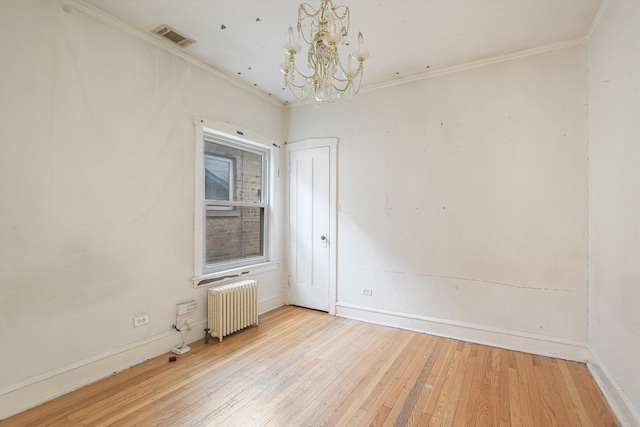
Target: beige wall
97,195
463,202
614,202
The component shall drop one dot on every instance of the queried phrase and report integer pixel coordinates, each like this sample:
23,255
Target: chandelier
329,79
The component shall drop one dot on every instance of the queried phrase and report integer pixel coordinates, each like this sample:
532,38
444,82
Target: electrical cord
183,332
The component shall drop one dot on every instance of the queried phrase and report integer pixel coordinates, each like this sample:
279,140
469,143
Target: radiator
232,307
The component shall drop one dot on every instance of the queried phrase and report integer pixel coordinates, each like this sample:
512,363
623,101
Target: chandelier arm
342,89
291,84
301,74
337,79
349,81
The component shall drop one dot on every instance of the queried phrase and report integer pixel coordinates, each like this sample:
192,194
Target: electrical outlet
187,322
140,320
367,292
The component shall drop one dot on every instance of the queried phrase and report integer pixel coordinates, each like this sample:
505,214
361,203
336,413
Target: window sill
235,273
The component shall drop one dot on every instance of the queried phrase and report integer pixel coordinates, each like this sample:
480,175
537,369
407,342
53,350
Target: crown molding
106,18
597,18
477,64
462,67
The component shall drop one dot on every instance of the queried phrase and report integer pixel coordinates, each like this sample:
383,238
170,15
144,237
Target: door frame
305,144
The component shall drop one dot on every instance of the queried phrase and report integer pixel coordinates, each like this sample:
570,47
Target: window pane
217,178
232,174
234,234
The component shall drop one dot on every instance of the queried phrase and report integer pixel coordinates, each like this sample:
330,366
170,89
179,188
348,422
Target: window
218,177
232,202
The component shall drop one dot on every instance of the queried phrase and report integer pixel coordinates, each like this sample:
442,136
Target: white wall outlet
140,320
367,292
186,307
187,322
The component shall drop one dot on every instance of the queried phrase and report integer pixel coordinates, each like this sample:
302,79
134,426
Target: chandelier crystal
329,79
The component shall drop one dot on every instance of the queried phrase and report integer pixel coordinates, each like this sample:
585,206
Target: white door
311,228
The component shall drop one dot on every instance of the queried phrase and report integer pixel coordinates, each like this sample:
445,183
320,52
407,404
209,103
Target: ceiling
405,37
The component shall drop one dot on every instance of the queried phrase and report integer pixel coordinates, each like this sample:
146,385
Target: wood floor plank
335,373
435,365
447,389
375,400
300,381
305,368
604,412
557,403
591,395
494,391
373,395
563,394
547,415
514,398
481,396
505,396
527,403
534,395
465,412
412,407
578,406
438,380
459,418
308,380
351,390
409,380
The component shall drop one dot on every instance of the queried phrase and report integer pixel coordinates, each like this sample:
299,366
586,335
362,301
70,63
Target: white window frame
231,179
236,137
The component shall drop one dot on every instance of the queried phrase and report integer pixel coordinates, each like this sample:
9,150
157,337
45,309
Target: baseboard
49,385
618,400
481,334
271,303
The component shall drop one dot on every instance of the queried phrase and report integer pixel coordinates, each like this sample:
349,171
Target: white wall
614,206
463,202
96,196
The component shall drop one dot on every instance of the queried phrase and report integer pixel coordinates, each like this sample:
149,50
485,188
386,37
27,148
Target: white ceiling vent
173,36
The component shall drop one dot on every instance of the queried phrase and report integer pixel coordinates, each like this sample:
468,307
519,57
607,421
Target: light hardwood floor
304,368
